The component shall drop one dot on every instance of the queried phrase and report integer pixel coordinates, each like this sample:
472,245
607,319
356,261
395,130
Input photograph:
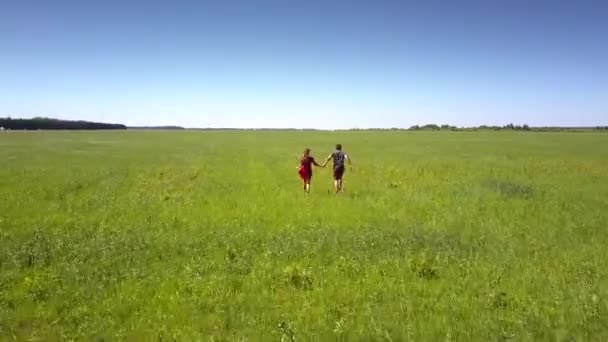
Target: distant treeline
429,127
217,128
435,127
509,127
156,127
48,123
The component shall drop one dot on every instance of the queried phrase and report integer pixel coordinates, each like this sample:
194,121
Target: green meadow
207,235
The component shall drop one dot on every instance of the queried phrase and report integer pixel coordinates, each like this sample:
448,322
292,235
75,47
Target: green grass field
208,235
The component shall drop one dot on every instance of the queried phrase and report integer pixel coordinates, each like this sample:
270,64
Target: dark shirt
338,157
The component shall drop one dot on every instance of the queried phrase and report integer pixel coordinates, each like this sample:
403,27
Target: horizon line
426,126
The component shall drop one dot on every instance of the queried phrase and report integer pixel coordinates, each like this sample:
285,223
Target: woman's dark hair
339,147
306,151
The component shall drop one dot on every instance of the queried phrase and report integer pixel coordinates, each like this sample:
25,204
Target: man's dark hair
339,147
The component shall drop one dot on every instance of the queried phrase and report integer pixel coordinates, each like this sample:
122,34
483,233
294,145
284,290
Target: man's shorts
338,172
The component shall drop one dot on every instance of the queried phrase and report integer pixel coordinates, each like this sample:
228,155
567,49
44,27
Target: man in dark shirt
339,158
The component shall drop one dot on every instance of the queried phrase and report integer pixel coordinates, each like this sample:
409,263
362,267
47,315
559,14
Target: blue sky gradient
321,64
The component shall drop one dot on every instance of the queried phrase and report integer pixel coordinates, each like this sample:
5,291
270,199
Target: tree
434,127
48,123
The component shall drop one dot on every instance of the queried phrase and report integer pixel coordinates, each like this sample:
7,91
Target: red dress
305,170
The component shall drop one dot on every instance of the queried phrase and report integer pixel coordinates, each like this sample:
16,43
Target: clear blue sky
296,63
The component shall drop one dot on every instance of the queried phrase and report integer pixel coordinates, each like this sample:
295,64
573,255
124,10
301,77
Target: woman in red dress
305,168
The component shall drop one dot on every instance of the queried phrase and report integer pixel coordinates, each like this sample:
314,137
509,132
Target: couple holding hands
307,161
